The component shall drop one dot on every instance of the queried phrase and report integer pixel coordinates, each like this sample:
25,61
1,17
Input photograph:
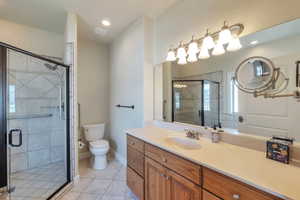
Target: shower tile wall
37,91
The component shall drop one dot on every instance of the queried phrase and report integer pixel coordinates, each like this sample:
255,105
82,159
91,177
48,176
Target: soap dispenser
215,135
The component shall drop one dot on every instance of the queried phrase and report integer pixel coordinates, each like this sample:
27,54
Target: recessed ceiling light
105,22
254,42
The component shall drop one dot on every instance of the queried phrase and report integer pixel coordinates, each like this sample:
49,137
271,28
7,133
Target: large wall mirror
203,93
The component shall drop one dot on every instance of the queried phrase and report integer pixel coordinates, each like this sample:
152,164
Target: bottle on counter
215,135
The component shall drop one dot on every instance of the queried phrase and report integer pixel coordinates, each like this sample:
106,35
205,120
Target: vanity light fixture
171,55
192,58
208,41
192,51
182,61
181,52
234,44
180,86
193,47
204,53
219,49
105,22
227,37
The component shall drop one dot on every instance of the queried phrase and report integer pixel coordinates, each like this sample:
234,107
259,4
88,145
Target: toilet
98,147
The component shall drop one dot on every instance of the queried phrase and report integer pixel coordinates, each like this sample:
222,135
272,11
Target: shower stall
196,102
34,123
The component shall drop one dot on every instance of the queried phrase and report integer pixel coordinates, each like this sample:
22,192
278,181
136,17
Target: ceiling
51,14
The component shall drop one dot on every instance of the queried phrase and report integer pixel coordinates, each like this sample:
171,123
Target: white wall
32,39
131,82
93,84
70,56
193,17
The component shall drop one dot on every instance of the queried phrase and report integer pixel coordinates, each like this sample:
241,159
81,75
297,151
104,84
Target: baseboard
84,155
120,158
76,179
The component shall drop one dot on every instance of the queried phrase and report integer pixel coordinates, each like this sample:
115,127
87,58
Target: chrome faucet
193,134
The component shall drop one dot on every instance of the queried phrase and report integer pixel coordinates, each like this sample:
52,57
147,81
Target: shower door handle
12,132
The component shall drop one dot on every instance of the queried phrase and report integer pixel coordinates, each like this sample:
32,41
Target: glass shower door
187,101
211,103
36,127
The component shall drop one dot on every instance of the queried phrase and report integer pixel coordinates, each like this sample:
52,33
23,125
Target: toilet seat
99,144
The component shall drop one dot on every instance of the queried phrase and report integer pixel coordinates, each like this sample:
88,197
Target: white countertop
246,165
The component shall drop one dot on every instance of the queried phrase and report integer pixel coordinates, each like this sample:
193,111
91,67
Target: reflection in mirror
196,102
238,110
255,74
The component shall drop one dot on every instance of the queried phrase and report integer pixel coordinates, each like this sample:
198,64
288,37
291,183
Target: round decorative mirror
256,74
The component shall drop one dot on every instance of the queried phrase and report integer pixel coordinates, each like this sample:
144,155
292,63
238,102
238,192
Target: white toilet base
99,162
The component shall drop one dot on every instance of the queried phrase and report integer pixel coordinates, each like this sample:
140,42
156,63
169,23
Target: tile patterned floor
38,183
107,184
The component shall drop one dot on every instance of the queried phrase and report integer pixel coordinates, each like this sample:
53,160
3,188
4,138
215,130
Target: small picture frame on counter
278,149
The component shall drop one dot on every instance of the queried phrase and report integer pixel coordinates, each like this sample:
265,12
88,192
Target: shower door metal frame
3,126
3,119
202,97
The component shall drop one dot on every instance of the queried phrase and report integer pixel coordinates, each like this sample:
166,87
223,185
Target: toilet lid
99,144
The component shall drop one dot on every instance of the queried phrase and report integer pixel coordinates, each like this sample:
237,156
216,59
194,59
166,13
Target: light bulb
219,49
225,35
234,44
182,61
171,55
193,48
208,42
192,58
203,53
181,53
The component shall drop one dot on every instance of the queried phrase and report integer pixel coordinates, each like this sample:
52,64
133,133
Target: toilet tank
94,132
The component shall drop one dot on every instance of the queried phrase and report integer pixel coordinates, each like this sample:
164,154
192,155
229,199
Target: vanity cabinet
155,174
135,166
181,166
155,181
135,160
208,196
181,188
135,183
228,188
164,184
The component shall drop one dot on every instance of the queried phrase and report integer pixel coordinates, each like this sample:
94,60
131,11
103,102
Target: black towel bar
121,106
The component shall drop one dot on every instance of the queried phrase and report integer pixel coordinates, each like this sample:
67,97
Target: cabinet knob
132,143
164,159
236,196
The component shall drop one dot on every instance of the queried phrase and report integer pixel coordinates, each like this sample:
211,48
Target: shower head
50,67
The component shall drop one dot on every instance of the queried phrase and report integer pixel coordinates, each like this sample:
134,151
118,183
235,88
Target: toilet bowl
98,147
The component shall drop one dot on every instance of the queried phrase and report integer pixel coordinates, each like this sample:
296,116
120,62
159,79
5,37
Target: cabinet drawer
135,143
208,196
135,160
230,189
135,183
181,166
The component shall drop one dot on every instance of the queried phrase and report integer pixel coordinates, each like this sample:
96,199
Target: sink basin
183,142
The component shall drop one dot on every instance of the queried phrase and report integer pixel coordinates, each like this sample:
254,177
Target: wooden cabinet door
209,196
182,189
135,183
135,160
155,181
